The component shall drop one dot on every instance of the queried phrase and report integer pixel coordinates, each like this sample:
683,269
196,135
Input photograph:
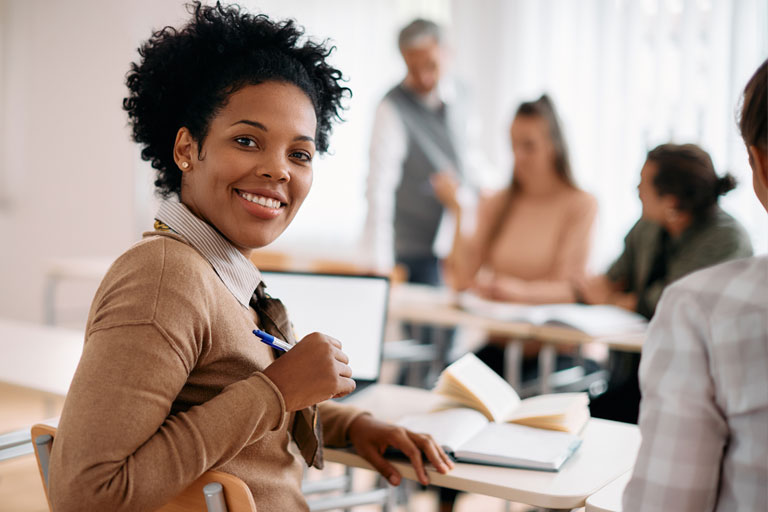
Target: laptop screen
350,308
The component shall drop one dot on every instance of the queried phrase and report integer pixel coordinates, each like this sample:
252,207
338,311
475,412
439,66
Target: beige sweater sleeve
120,445
336,420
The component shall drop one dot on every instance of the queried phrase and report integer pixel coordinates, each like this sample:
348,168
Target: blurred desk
438,306
63,269
608,451
39,357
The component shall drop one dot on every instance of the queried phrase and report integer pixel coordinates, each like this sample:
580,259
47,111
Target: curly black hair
187,75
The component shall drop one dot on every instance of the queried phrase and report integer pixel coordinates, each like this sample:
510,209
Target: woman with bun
682,229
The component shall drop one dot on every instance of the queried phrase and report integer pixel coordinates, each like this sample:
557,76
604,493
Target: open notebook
350,308
484,420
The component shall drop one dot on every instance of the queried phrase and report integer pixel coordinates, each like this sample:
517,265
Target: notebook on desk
350,308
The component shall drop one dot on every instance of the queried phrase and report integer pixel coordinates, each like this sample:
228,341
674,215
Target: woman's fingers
405,444
435,454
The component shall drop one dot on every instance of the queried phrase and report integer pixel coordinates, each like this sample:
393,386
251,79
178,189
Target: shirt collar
236,271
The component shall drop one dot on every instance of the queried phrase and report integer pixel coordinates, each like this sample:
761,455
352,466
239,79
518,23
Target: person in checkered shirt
704,373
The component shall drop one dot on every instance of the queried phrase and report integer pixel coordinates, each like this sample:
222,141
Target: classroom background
625,76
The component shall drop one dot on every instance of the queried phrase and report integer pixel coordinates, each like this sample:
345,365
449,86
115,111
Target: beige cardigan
170,385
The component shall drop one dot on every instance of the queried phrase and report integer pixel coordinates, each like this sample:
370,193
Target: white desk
39,357
608,499
607,452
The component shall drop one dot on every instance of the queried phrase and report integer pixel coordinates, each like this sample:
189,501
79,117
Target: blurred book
594,320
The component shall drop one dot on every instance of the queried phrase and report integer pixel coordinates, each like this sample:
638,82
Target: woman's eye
302,155
246,142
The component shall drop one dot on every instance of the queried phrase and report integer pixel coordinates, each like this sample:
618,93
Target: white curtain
626,76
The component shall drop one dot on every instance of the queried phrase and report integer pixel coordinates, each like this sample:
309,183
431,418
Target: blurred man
415,134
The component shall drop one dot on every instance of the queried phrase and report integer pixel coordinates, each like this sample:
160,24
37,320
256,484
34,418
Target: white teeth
263,201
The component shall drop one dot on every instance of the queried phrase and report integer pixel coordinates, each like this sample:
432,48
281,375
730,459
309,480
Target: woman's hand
594,290
446,188
371,437
492,286
600,290
311,372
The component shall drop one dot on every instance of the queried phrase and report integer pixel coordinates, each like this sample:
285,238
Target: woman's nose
275,168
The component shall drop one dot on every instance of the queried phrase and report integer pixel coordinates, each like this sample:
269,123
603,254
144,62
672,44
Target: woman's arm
468,250
120,447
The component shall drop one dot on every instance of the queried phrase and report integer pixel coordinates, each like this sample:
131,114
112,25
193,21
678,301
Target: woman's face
654,205
533,151
255,168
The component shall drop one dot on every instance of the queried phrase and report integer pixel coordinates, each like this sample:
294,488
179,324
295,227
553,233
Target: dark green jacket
707,242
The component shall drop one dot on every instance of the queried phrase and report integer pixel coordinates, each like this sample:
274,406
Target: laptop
350,308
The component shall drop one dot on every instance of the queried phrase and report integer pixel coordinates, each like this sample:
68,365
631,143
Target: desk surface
39,357
438,306
608,499
608,451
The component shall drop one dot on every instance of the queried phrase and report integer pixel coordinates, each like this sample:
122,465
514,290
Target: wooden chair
214,491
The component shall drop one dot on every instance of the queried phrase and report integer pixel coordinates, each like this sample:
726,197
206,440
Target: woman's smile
261,205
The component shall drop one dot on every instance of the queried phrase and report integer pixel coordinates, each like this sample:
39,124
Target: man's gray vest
430,150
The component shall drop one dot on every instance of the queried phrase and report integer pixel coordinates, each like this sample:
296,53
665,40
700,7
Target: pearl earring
185,165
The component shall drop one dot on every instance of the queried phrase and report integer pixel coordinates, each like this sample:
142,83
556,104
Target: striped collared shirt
236,271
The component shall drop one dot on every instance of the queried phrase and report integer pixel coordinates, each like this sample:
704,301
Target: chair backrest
214,491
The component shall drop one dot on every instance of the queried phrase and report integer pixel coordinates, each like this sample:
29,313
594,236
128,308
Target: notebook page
450,428
556,404
478,380
507,444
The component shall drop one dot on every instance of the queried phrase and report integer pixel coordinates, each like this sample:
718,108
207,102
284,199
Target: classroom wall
67,159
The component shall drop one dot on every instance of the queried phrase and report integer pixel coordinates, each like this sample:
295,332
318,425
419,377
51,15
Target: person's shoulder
724,222
580,200
160,261
491,202
721,233
643,230
727,278
160,277
158,251
394,92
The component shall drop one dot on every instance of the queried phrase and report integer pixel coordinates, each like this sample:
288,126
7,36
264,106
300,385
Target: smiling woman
230,110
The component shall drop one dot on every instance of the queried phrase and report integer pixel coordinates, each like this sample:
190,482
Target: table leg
547,356
513,361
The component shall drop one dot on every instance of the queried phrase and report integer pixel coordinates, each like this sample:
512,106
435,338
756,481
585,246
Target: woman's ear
184,149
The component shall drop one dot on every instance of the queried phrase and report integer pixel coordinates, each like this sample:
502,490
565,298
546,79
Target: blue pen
272,341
